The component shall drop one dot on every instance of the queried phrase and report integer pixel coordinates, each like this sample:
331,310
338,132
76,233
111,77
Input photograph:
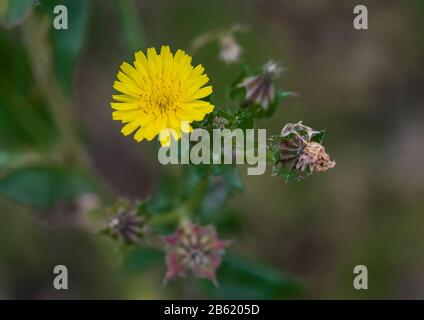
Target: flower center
163,103
196,258
164,96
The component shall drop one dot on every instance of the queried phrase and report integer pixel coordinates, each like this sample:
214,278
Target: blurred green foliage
42,186
67,45
363,87
13,12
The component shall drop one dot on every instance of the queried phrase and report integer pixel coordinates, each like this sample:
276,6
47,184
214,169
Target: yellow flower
158,93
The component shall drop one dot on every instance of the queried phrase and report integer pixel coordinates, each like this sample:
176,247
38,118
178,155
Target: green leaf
131,25
239,278
243,119
166,195
194,174
24,121
12,13
224,182
279,97
138,259
43,186
67,44
230,176
318,136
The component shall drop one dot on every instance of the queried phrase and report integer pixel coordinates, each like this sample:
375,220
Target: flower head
194,249
158,92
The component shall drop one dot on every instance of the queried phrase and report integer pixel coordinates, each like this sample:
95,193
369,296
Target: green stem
167,218
187,209
199,192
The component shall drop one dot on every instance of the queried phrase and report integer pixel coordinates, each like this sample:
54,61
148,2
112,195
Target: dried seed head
314,158
128,225
230,49
194,250
298,150
260,89
290,150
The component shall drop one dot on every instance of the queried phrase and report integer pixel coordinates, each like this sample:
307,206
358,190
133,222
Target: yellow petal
127,89
127,116
149,132
139,135
141,61
124,106
132,73
124,98
197,71
161,123
129,128
202,93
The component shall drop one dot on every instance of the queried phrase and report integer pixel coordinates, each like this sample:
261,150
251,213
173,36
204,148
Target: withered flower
194,250
260,88
300,149
314,158
290,150
128,225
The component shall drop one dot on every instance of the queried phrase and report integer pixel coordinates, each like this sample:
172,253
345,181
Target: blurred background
364,87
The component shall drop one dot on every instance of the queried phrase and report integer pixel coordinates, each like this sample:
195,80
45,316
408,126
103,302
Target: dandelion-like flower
159,92
195,250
